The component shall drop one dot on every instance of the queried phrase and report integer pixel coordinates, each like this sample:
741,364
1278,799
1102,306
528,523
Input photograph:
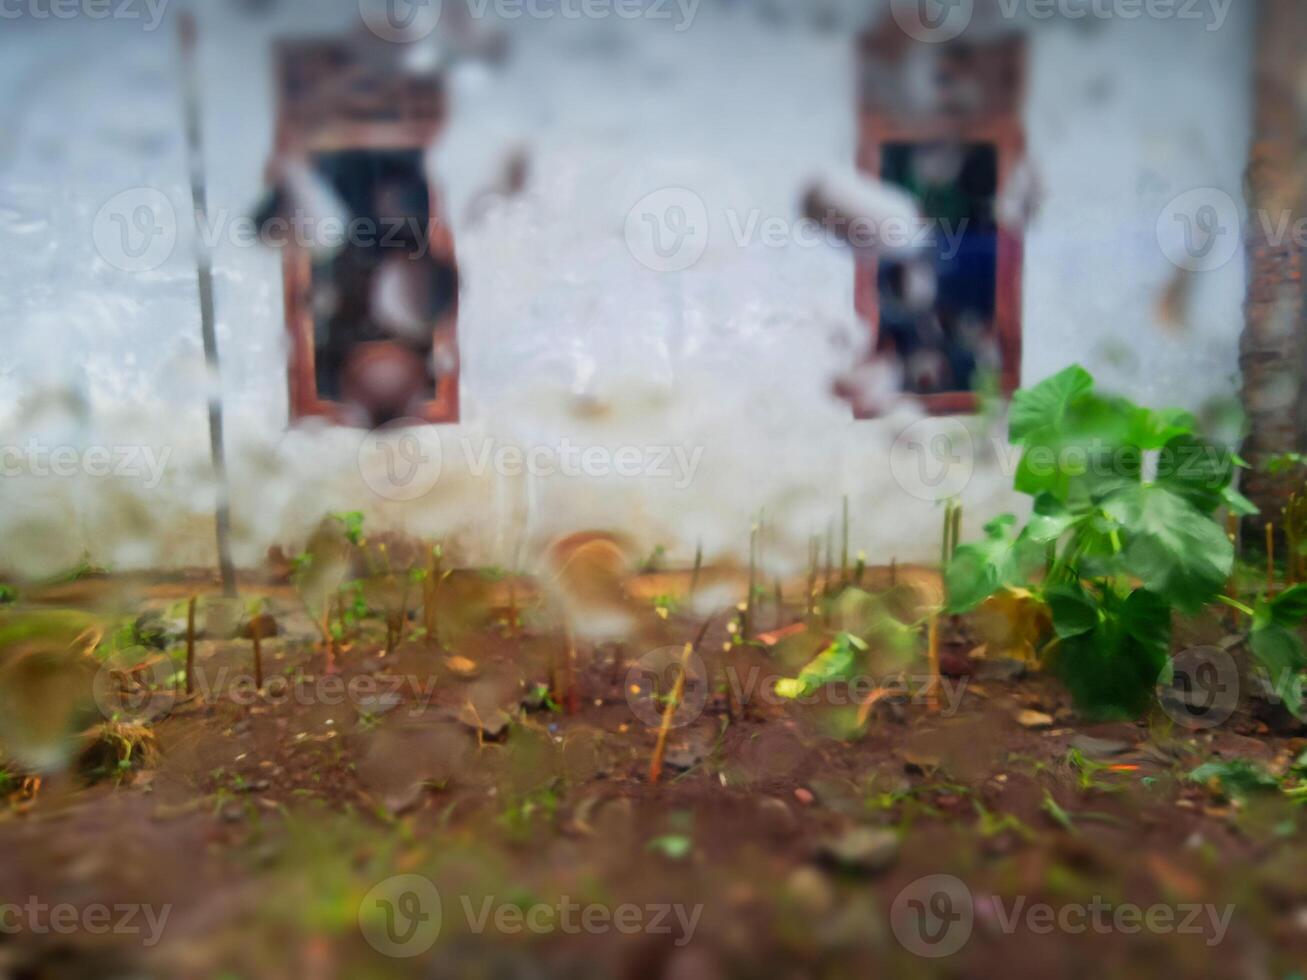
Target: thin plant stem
844,545
190,647
674,702
932,656
1270,558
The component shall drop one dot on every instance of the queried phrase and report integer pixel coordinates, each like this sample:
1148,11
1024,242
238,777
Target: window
949,309
373,322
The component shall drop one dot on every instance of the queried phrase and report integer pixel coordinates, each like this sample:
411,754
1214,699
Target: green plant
1123,535
841,661
665,605
873,643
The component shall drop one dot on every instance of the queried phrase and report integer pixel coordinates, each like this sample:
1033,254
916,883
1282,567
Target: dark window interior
943,342
365,354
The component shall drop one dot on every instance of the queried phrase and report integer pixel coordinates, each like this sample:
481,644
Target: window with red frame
949,309
372,323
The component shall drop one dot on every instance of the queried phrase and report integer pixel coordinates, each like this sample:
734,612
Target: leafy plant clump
1123,536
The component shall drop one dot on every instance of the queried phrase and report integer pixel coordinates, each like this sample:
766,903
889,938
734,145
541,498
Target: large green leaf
1044,406
1238,779
1155,428
1238,504
981,568
1174,549
1197,470
1091,450
1050,521
1074,611
1289,608
1112,669
1280,652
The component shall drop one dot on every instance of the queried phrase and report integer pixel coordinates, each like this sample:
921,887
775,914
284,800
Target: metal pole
204,276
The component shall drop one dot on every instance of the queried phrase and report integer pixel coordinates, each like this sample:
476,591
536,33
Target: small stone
916,761
263,625
462,667
377,705
1034,719
406,800
1098,748
865,849
493,725
683,757
812,891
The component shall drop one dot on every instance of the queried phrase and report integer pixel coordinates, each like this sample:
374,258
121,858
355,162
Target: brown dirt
266,820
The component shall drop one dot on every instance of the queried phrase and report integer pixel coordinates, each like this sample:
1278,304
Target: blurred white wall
564,333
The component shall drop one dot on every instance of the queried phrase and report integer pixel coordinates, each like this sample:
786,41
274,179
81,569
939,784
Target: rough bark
1273,349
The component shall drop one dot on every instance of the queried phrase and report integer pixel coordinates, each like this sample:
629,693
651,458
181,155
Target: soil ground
786,840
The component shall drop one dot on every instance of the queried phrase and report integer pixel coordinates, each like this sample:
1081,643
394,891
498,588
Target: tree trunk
1273,349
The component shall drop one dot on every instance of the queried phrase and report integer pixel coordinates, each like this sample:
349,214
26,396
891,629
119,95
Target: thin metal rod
204,277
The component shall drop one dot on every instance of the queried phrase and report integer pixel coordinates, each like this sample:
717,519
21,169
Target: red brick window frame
333,98
990,78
